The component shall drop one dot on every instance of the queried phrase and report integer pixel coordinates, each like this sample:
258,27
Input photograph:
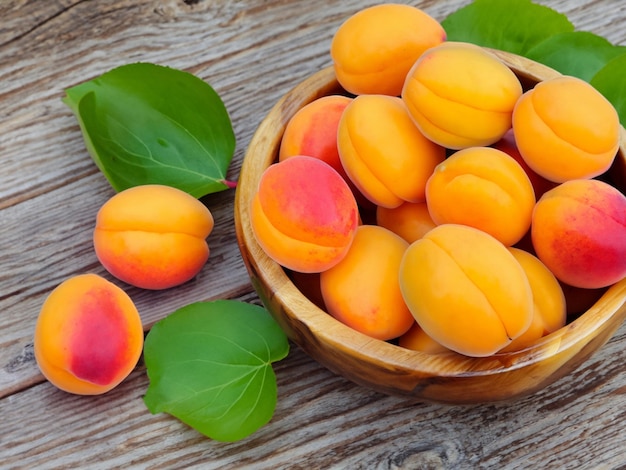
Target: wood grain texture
252,52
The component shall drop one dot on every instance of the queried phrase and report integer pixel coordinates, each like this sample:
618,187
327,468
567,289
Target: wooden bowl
383,366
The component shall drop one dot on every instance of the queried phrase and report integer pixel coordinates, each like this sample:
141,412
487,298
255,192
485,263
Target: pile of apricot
438,203
89,334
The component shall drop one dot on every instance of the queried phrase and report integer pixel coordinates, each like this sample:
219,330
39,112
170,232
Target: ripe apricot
484,188
387,158
362,290
549,310
507,145
466,290
416,339
565,129
460,95
410,220
373,50
88,335
312,131
579,232
153,236
304,215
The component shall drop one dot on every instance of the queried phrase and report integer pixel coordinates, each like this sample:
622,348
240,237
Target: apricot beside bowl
384,366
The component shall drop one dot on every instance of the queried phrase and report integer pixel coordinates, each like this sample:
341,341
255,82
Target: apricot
416,339
549,310
484,188
410,220
304,215
153,236
466,290
312,131
373,50
460,95
362,290
88,336
565,129
579,232
507,145
384,154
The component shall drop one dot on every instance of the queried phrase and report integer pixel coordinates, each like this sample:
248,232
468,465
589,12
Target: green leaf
510,25
209,365
611,83
577,53
149,124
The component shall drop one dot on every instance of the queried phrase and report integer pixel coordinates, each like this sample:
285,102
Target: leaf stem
230,184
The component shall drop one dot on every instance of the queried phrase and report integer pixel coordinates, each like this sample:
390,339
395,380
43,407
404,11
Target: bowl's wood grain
448,378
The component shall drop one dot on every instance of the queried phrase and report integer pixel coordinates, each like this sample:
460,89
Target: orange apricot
312,131
460,95
304,215
387,158
507,145
549,310
565,129
466,290
88,336
374,49
484,188
410,220
362,290
416,339
579,232
153,236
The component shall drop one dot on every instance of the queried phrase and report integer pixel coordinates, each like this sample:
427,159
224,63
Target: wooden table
251,52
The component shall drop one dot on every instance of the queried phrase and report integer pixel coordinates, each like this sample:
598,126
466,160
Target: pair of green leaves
545,36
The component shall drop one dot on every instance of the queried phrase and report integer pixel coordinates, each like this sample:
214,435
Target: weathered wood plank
324,421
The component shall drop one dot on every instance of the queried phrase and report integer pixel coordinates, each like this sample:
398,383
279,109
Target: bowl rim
264,270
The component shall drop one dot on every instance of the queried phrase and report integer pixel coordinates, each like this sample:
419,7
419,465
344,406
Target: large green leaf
611,82
148,124
209,365
510,25
577,53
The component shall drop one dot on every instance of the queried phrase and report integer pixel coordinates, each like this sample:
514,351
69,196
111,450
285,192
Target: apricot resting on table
153,236
565,129
303,214
549,310
373,50
579,232
484,188
387,158
410,220
466,290
362,290
461,95
88,335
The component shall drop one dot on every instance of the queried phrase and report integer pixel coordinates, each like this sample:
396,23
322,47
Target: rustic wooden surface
251,52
